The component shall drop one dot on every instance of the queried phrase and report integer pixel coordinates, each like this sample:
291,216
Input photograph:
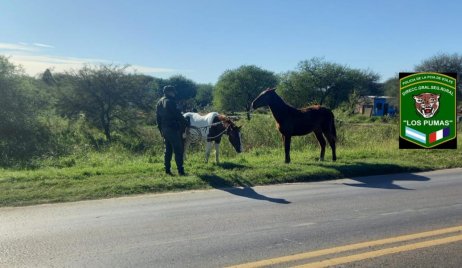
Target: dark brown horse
299,122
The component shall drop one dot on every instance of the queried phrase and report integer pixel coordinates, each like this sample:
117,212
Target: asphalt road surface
402,220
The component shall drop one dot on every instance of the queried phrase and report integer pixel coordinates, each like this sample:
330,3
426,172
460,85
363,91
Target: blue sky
201,39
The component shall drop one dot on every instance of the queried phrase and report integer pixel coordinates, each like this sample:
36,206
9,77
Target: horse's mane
225,119
293,110
222,117
310,108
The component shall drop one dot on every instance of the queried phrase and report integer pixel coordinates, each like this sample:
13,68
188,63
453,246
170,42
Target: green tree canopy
106,95
204,96
391,88
317,81
444,63
186,90
47,78
22,135
236,89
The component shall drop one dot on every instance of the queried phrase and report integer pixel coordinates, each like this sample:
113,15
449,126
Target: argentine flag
415,135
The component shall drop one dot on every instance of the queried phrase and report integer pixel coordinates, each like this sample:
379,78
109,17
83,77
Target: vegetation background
90,133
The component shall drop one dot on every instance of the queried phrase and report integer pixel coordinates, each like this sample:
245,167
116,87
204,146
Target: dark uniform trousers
173,144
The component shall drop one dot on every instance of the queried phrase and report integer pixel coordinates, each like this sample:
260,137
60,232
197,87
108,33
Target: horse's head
234,133
264,99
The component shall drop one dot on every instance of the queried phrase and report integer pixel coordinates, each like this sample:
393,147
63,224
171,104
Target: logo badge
428,110
427,104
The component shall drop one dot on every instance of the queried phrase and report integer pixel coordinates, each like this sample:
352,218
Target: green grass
363,149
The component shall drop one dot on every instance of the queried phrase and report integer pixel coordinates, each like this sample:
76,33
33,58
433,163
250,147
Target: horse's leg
208,148
331,141
287,140
322,143
217,150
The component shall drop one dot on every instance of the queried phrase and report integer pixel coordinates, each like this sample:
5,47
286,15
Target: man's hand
185,133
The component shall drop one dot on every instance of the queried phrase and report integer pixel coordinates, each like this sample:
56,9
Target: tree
319,82
186,90
204,96
106,96
22,135
236,89
391,88
140,104
48,78
444,63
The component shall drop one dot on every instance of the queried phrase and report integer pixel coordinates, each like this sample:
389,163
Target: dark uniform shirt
168,115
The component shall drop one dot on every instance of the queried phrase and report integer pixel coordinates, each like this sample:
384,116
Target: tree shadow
244,189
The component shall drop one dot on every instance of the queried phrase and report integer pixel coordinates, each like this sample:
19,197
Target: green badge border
401,111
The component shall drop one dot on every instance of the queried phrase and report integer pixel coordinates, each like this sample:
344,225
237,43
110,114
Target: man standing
171,125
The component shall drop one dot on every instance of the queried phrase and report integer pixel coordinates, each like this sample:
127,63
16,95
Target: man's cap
169,88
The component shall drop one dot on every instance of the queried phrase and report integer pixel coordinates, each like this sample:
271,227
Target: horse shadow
244,188
230,166
384,176
387,181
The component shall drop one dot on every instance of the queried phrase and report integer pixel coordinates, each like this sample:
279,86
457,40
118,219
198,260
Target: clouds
43,45
35,58
5,47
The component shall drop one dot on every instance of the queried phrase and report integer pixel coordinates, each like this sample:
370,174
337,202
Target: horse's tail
332,127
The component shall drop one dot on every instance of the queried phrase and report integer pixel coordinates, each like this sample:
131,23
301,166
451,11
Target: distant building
376,106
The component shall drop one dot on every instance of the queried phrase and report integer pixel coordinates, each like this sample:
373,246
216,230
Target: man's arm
158,118
175,112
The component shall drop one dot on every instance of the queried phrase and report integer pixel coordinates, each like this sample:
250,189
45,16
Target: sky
201,39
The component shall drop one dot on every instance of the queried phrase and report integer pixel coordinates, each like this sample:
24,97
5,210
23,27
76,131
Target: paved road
244,225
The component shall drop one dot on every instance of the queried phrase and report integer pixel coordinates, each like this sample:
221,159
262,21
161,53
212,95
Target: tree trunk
107,132
248,111
106,124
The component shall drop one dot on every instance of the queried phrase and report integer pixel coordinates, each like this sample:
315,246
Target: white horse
210,128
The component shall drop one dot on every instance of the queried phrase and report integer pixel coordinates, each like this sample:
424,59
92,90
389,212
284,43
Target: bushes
140,139
20,143
49,119
22,135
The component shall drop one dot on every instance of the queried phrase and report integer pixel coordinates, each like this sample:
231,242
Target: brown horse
299,122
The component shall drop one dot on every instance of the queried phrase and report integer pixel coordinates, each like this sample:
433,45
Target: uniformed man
171,125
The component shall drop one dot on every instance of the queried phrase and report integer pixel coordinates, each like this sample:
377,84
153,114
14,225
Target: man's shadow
245,188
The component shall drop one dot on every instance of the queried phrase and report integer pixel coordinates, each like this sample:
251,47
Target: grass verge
112,174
